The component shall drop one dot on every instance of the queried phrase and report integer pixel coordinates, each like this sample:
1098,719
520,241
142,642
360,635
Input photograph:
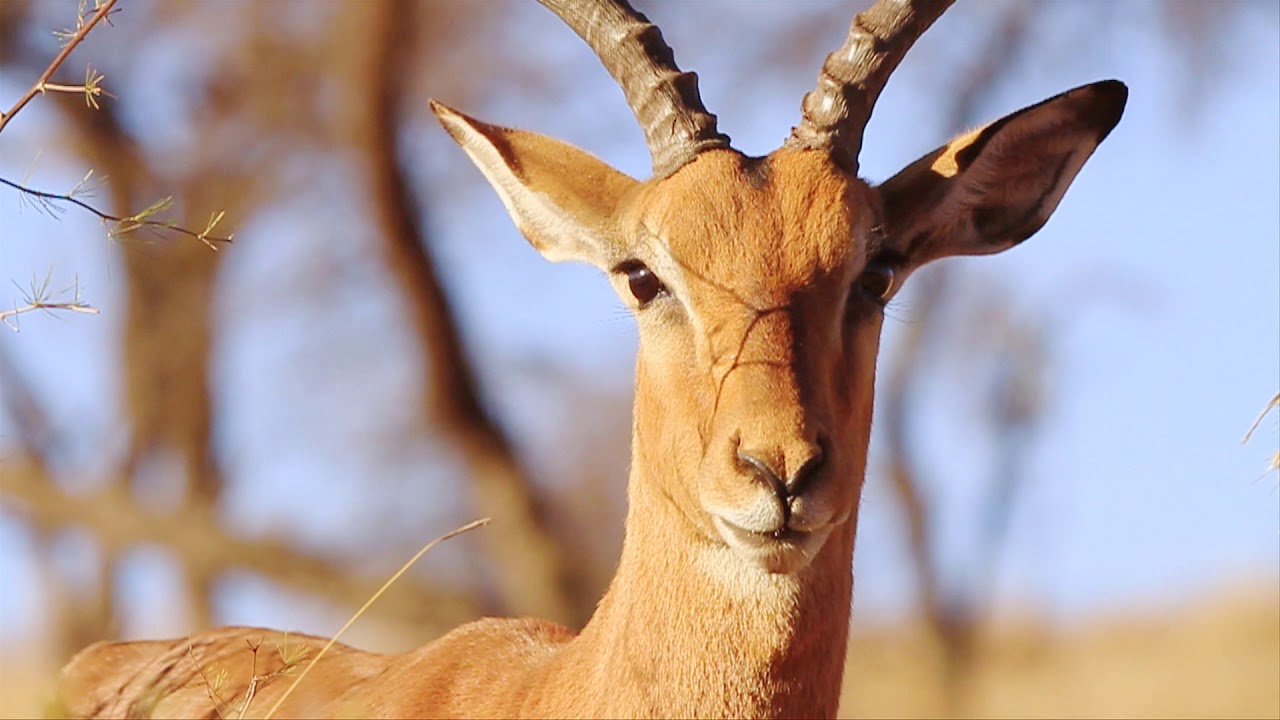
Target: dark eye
878,280
644,285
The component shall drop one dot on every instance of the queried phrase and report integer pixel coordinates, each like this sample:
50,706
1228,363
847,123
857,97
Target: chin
783,553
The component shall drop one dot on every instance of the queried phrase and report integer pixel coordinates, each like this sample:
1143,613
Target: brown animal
758,285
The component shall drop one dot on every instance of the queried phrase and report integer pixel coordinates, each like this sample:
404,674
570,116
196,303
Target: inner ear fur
563,199
992,188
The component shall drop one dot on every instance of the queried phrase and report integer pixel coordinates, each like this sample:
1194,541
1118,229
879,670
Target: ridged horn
836,112
665,100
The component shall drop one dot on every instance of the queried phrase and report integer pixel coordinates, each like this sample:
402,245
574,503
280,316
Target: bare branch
39,297
196,537
74,39
9,317
91,88
125,225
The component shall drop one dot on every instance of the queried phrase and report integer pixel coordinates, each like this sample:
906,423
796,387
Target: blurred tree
530,567
250,109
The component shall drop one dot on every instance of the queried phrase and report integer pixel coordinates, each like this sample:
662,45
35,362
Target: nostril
805,463
808,469
764,472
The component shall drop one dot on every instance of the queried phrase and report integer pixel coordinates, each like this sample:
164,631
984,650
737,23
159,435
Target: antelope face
758,287
758,284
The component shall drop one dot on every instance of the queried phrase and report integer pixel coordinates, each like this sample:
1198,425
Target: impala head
758,284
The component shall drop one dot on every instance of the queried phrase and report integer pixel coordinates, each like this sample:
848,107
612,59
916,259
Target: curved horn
836,112
665,100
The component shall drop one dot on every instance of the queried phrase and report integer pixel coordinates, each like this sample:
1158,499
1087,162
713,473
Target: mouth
785,550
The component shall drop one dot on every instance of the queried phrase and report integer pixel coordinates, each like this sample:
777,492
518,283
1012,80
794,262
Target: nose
786,472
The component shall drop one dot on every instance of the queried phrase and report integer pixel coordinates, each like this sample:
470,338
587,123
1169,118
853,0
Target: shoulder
457,675
513,637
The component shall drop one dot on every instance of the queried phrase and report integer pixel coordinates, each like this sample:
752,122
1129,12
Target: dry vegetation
1218,656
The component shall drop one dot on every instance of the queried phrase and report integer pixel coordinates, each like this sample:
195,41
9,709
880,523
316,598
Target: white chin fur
773,555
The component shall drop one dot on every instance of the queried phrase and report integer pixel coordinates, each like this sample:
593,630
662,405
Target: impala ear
564,200
994,187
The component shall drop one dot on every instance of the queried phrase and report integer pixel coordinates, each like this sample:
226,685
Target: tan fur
764,344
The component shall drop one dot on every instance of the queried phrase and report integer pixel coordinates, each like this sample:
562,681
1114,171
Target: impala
758,285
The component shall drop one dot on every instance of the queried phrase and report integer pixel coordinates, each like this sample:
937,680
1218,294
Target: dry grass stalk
1275,456
390,581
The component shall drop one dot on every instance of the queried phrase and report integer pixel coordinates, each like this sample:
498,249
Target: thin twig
42,84
256,681
125,225
1275,456
91,88
39,297
403,569
209,688
1275,402
7,316
254,678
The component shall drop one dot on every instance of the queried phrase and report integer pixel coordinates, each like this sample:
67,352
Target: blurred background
1060,516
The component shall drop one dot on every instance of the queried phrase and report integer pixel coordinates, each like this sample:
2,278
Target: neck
689,629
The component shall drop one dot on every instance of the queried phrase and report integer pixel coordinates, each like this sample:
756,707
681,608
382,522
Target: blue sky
1164,257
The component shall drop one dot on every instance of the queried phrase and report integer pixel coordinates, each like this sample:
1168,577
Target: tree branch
903,370
73,40
126,225
951,617
40,297
197,539
532,573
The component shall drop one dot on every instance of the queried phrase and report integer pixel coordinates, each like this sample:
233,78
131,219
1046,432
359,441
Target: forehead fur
763,227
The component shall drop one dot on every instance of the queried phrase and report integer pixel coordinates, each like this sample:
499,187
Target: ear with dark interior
994,187
563,199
